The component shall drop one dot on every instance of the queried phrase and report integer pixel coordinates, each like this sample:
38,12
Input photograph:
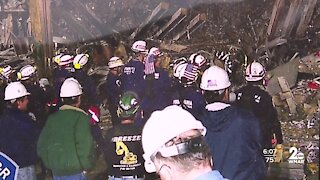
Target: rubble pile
301,129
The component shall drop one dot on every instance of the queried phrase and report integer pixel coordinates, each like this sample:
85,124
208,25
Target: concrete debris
173,47
289,71
301,130
310,64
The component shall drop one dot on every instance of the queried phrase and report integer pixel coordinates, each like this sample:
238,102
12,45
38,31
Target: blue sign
8,168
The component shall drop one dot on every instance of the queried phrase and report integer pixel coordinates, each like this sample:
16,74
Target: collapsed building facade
283,35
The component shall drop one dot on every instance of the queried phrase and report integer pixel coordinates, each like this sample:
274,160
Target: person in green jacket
65,144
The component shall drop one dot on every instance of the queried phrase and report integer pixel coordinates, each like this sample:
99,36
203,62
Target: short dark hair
70,100
190,160
213,96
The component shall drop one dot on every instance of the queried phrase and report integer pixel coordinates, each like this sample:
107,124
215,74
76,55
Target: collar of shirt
213,175
217,106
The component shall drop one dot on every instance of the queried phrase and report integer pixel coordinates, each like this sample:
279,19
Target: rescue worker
234,135
200,61
174,146
112,88
61,72
7,73
80,62
132,78
19,133
124,153
188,95
65,144
38,98
255,98
160,89
89,102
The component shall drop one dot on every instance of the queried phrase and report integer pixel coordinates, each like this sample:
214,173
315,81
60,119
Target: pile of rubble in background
298,104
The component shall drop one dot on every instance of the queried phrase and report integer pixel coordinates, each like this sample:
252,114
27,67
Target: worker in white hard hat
188,95
234,135
199,60
255,98
132,78
19,132
174,146
90,101
6,76
62,70
7,73
66,144
81,66
38,98
112,87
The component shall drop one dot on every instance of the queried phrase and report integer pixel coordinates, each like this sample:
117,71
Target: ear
226,95
163,169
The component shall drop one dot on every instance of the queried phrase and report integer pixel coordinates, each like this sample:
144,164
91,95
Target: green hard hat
128,104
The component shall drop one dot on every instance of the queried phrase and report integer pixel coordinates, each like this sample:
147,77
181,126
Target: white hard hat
255,72
15,90
70,88
139,46
56,58
115,62
155,51
26,72
177,69
187,73
162,126
197,59
214,78
6,71
63,59
80,60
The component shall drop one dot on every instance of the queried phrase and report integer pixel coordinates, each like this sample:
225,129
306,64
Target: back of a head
255,72
6,72
214,82
26,72
197,59
115,62
163,126
80,60
215,79
128,105
139,47
63,59
155,51
70,88
14,91
186,73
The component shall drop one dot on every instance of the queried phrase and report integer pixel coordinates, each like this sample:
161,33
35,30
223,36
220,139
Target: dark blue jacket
113,92
38,100
258,101
59,75
18,137
89,87
234,138
161,88
112,89
190,99
132,78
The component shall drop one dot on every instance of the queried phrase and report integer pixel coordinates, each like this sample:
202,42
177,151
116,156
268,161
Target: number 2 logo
295,154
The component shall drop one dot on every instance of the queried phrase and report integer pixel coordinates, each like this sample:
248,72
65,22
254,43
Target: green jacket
65,144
